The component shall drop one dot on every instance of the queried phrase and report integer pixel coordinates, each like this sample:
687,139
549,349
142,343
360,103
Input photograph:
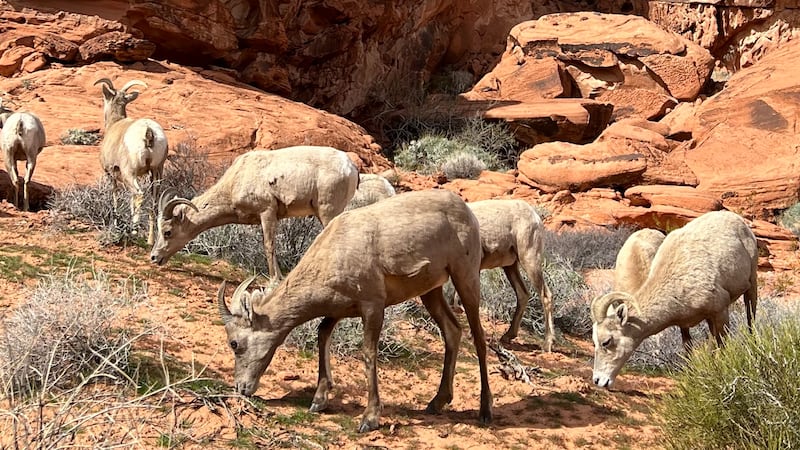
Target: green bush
745,395
790,218
427,154
462,165
76,136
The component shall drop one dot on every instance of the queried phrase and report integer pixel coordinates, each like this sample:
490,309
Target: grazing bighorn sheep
365,260
21,139
131,148
261,186
371,188
697,272
512,236
634,259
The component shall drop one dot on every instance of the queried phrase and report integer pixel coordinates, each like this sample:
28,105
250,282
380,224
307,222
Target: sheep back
127,146
298,178
634,258
505,227
402,246
704,266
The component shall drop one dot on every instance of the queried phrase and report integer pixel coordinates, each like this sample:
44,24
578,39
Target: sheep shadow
40,194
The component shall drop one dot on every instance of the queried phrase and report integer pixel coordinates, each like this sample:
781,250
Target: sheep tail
20,128
149,139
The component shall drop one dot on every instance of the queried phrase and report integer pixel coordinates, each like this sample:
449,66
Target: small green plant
588,249
427,154
790,218
27,84
744,395
77,136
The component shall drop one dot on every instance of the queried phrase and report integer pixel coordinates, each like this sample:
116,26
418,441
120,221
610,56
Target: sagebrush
744,395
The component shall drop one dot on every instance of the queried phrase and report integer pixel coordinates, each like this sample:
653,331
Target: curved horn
226,314
239,289
168,193
167,212
105,81
599,306
132,83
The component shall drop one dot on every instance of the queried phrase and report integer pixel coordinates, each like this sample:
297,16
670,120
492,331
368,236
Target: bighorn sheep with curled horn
22,139
365,260
261,186
697,272
512,236
132,148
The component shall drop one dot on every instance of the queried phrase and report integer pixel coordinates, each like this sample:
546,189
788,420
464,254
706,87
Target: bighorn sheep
261,186
697,272
22,139
511,236
132,148
371,188
365,260
634,259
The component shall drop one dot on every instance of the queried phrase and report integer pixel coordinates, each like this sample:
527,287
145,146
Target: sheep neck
113,114
652,312
212,212
290,306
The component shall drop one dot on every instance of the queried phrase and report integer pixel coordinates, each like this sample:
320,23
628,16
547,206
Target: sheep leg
31,164
523,297
155,179
751,300
469,290
326,213
686,337
137,198
11,168
373,322
325,380
269,223
440,311
720,330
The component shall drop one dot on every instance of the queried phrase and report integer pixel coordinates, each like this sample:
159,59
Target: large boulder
634,64
746,148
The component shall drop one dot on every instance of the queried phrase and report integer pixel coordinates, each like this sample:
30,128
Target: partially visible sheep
21,139
132,148
634,259
697,272
512,236
261,187
371,188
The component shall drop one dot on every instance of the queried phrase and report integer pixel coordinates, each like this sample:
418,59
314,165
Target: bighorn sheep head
615,336
250,336
115,101
174,228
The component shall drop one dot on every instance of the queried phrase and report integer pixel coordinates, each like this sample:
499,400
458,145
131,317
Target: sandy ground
561,409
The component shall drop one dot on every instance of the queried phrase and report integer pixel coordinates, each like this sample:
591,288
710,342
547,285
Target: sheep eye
234,345
606,343
167,234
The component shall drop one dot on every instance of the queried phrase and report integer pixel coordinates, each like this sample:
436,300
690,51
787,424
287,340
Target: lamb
697,272
365,260
512,236
21,139
261,186
132,148
371,188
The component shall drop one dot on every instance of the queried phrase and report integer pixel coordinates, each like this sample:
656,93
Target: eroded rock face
635,65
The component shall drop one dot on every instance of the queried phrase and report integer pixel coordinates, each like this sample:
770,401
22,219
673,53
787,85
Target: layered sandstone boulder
633,64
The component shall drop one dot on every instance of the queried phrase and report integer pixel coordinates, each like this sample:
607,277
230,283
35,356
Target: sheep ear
131,97
622,314
247,306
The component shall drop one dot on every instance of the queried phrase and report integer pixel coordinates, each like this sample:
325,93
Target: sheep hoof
368,424
318,406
